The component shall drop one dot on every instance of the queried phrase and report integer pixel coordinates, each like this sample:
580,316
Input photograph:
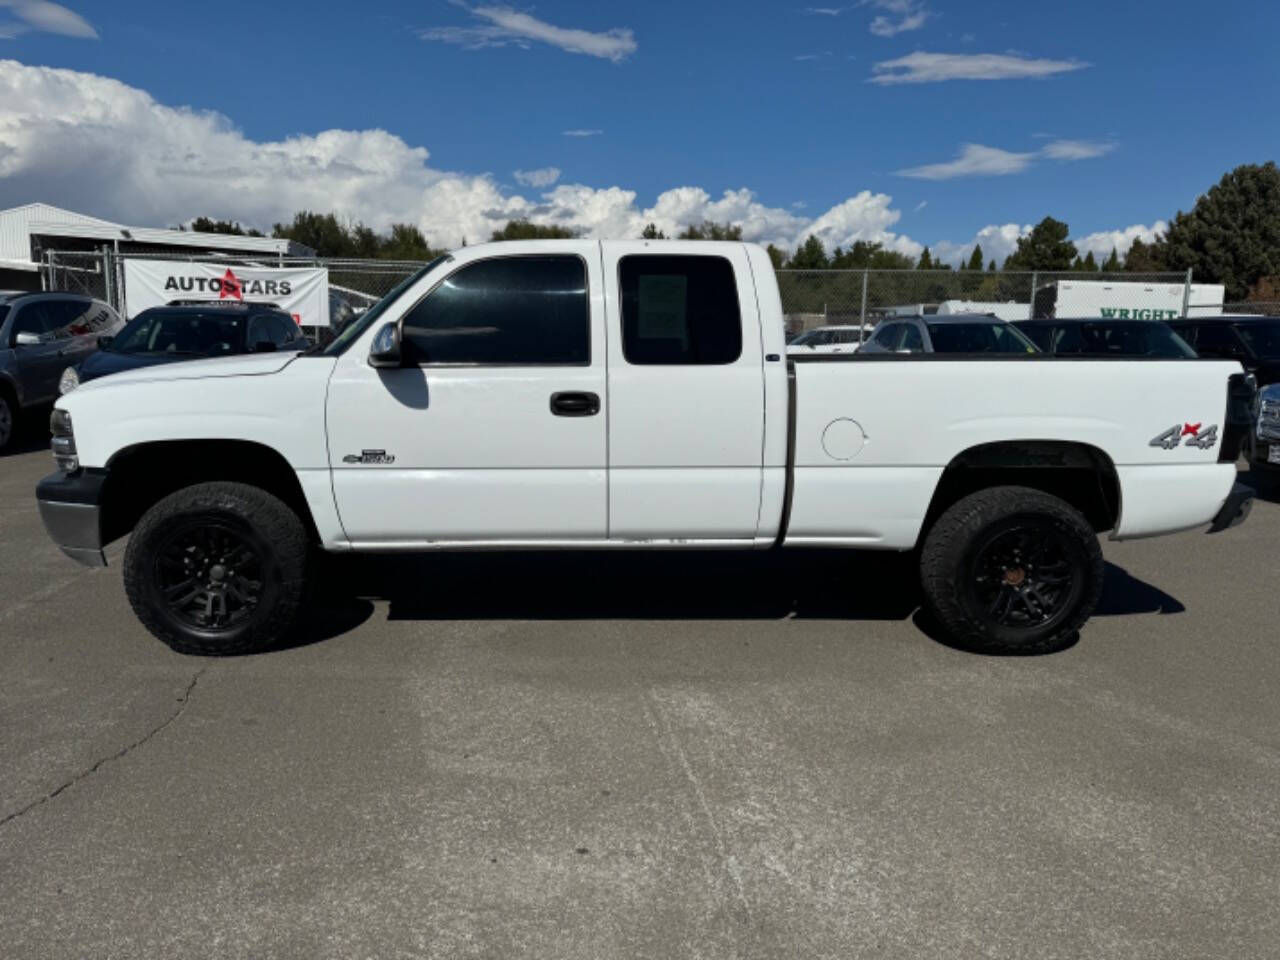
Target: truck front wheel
1011,570
217,569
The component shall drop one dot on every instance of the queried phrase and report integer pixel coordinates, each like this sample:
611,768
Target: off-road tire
270,528
954,547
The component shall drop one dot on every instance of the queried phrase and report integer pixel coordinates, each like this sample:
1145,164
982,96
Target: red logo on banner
231,286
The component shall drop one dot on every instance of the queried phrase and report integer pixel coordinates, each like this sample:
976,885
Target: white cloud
974,160
1102,242
826,11
542,177
920,206
921,67
906,15
97,145
503,26
997,242
1076,149
45,17
584,133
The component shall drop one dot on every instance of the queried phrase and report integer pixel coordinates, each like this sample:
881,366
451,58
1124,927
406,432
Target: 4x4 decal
1196,434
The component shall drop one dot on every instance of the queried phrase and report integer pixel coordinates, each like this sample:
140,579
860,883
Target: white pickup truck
581,394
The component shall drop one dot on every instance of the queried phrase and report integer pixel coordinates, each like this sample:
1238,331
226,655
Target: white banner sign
301,291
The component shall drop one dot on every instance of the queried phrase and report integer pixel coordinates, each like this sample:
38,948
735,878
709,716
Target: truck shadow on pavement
645,586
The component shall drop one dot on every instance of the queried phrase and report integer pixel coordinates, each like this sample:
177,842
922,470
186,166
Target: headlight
64,441
68,382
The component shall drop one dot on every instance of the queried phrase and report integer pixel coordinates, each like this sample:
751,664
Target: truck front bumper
70,506
1235,509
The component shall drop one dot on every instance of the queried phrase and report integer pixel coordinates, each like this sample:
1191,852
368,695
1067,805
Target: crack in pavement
182,706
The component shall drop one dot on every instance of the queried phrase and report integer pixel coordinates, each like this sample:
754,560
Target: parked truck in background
577,394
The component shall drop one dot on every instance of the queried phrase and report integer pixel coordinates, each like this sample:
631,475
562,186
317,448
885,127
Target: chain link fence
816,298
810,298
354,285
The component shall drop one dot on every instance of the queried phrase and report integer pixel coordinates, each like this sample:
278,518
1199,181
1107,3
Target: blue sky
1108,115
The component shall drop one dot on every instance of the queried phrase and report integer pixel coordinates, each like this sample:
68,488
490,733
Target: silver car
41,335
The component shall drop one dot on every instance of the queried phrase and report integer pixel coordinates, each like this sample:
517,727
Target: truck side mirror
26,338
385,353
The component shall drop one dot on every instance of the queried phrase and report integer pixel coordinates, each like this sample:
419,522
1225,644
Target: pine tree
926,260
1112,264
975,259
1090,264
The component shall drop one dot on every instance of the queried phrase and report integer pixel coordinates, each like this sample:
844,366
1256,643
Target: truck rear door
686,392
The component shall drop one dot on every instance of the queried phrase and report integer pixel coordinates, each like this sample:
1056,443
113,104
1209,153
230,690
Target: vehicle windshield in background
809,336
183,332
978,338
1263,338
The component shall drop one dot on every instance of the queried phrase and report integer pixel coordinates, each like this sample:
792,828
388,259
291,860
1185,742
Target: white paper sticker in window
661,314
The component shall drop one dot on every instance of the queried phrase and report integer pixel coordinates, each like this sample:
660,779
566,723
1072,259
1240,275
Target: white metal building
26,232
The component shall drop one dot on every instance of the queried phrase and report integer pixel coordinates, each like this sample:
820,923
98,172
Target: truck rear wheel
217,569
1012,570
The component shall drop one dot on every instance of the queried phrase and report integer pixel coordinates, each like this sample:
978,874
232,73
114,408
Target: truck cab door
686,393
493,430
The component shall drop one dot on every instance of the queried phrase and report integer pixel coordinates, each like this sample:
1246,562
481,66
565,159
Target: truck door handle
575,404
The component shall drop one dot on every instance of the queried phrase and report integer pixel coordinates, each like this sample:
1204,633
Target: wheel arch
1078,473
140,475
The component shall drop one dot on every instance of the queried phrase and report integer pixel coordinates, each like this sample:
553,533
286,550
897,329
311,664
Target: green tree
526,230
1145,257
975,259
651,232
991,267
1046,247
1090,265
926,260
232,228
709,230
1232,234
810,255
406,242
1112,264
776,256
322,232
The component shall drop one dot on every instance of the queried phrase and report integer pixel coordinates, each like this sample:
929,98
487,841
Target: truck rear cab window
505,311
679,310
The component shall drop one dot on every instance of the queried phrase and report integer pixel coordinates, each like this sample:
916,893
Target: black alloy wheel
210,574
1027,575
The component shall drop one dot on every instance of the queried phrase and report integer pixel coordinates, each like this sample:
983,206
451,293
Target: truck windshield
372,315
184,332
978,338
1263,338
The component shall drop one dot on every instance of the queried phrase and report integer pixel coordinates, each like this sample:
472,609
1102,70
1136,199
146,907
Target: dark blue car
172,334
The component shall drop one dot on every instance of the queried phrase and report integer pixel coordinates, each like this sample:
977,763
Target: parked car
838,338
1254,341
172,334
40,334
1106,338
585,394
951,333
1263,447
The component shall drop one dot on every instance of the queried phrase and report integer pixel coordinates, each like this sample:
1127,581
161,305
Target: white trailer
1126,300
